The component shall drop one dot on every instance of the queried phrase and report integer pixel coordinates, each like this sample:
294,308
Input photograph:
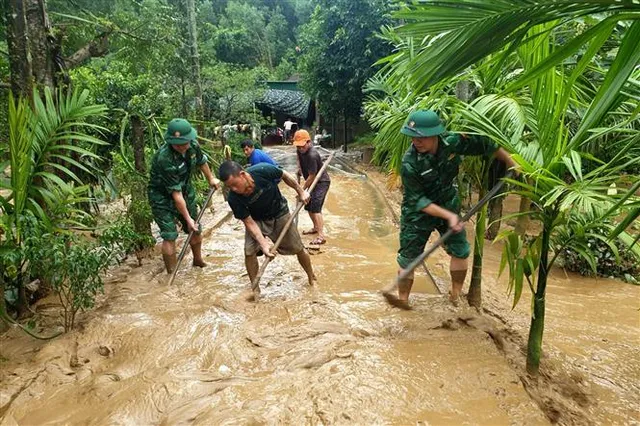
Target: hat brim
300,143
181,140
421,132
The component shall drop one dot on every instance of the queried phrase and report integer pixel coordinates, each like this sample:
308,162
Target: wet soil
198,353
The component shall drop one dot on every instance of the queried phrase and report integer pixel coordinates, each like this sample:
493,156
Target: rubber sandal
309,232
318,241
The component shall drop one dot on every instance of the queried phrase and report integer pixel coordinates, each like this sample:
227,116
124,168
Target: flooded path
197,353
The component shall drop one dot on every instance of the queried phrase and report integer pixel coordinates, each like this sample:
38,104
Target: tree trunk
40,42
184,96
522,223
137,130
333,132
18,45
534,345
4,325
474,297
195,57
495,213
141,222
344,133
496,172
22,304
463,90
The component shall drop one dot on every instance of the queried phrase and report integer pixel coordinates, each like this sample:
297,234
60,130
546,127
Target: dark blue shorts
317,197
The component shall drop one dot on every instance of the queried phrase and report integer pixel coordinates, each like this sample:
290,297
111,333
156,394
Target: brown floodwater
198,353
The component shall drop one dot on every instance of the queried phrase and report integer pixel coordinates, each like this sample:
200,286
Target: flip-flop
309,232
318,241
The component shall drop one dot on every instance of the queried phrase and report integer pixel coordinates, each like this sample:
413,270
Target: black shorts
317,197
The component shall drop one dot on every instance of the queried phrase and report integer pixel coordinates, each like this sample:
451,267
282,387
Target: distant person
430,200
310,164
256,200
287,129
171,193
255,155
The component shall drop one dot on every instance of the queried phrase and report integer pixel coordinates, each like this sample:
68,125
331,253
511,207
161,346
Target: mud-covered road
198,353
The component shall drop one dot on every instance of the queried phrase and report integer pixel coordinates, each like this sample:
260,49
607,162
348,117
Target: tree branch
94,49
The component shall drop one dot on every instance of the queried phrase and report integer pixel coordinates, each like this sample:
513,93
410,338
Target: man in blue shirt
255,155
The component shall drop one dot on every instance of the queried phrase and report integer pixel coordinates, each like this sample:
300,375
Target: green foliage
365,139
120,235
248,35
45,143
237,154
339,46
230,92
544,97
44,146
71,267
592,253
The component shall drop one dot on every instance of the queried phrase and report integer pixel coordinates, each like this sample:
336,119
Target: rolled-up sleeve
413,190
474,145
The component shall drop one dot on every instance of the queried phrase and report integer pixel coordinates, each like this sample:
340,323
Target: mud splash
198,353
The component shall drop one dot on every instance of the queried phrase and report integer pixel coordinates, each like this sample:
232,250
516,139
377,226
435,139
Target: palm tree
42,186
554,117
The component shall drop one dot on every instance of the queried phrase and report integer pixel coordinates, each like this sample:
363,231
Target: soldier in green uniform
431,201
171,194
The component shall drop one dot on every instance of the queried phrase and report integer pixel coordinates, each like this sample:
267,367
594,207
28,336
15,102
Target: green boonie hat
422,123
180,132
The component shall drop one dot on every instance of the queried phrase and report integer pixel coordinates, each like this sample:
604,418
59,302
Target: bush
72,267
624,264
121,238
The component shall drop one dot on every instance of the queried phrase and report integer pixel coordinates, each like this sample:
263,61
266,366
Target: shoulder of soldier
409,155
454,138
164,155
195,146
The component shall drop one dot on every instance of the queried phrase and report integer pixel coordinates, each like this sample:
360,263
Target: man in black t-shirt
256,200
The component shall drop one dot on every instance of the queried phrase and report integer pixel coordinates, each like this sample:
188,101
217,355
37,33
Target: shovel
186,243
387,292
255,285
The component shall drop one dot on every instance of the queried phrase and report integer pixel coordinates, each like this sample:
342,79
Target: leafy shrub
122,239
72,267
621,262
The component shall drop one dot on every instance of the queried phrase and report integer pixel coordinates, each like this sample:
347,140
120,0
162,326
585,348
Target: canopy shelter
284,99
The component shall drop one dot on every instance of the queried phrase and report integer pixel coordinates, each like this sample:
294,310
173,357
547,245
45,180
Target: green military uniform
171,171
431,179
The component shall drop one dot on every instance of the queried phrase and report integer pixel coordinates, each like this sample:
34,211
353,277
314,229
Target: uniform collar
417,154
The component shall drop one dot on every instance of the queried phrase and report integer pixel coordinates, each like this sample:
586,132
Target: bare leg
305,262
196,249
458,270
404,287
251,262
318,223
169,255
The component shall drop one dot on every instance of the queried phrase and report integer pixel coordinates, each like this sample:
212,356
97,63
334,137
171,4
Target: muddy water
592,333
198,353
